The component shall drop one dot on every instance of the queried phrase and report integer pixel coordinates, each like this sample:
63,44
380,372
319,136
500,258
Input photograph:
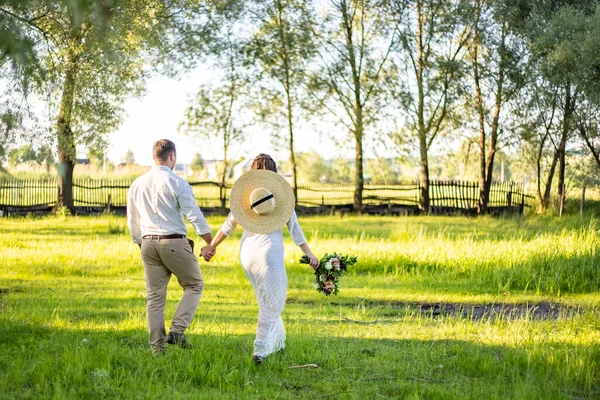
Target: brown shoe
178,339
257,360
158,350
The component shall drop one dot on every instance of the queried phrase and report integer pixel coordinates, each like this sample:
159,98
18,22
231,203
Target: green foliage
96,156
197,163
129,158
331,268
282,47
312,167
217,110
559,45
22,155
27,154
383,170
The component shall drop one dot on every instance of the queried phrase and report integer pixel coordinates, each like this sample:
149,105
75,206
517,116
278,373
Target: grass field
437,308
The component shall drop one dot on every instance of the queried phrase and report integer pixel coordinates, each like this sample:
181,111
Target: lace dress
263,262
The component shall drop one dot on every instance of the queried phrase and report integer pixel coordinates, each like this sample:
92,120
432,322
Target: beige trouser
163,257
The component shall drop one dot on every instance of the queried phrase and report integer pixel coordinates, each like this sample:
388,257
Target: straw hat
262,201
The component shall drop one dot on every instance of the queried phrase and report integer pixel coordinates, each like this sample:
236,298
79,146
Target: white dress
263,262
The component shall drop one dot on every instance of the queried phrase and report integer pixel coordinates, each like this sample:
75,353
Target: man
156,203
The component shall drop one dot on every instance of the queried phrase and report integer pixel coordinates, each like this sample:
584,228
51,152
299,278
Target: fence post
523,202
582,202
561,202
108,205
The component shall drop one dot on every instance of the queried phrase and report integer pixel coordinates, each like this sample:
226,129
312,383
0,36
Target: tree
96,156
89,56
282,46
28,154
427,71
45,157
559,39
494,54
129,158
21,155
382,171
197,163
216,111
354,42
312,167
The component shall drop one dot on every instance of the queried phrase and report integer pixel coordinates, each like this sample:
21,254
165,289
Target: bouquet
331,268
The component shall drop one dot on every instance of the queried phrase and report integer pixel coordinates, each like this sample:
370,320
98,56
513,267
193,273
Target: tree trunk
483,201
223,178
293,161
288,90
540,154
66,141
589,144
358,191
563,144
423,145
424,177
358,110
546,198
494,133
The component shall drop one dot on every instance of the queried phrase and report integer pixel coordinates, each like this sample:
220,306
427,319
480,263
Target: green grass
72,314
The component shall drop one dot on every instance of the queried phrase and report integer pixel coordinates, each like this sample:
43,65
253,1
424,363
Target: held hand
208,252
313,261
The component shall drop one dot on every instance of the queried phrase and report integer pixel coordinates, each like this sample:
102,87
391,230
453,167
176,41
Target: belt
158,237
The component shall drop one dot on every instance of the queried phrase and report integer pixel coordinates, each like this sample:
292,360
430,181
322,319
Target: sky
159,112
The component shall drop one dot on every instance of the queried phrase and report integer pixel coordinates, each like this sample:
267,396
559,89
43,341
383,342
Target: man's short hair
163,149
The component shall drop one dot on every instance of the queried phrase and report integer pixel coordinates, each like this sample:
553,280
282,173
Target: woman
262,259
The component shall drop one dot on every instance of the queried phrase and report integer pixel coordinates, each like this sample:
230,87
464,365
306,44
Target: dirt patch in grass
543,310
534,311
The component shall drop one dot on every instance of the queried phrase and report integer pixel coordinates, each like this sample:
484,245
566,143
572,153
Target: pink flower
336,264
328,286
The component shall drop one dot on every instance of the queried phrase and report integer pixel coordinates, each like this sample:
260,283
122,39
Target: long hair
264,161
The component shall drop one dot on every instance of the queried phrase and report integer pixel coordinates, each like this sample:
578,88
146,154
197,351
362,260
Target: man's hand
208,252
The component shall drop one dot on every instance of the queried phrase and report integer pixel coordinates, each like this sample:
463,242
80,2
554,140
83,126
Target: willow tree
87,57
428,69
354,41
282,46
561,49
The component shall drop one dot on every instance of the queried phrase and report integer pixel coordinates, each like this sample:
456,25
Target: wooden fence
448,197
97,195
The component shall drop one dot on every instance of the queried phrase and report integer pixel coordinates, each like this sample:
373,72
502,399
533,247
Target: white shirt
156,203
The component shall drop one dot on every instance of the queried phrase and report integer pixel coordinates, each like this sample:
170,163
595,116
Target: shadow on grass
42,362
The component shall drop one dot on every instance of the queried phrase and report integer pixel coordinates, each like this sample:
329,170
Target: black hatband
262,200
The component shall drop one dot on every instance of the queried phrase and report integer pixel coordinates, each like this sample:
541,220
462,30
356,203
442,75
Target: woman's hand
208,252
313,261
